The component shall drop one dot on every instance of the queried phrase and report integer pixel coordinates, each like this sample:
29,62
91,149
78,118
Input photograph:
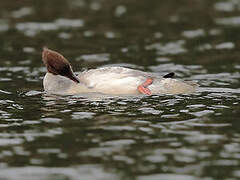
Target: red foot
143,87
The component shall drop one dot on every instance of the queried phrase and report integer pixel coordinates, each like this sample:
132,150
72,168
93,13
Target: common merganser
60,79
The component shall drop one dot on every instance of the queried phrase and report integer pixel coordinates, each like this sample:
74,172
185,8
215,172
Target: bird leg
143,87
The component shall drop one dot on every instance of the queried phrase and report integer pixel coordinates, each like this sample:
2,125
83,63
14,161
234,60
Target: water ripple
33,28
170,48
73,173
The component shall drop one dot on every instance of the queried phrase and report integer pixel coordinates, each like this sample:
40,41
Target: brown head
57,64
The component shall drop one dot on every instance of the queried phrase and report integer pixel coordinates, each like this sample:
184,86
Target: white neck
57,84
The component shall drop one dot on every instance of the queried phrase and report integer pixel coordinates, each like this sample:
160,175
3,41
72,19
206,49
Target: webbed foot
143,87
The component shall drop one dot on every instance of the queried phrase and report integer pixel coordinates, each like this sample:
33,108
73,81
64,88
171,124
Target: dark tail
169,75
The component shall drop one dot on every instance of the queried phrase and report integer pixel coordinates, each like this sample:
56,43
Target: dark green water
181,137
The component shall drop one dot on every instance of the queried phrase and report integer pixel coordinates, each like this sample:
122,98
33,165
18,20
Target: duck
60,79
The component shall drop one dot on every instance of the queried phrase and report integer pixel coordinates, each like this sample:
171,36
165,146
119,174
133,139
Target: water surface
184,137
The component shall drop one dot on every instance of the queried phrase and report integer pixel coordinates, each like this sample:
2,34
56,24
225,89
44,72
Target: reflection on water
84,171
139,132
32,28
96,136
169,48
